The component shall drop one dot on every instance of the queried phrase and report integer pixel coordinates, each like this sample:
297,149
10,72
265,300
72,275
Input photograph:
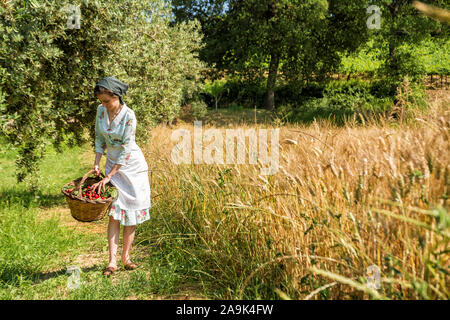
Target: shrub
313,90
341,100
198,109
352,87
245,92
289,92
410,99
382,88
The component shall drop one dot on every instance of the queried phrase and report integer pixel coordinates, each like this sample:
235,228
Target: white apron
133,203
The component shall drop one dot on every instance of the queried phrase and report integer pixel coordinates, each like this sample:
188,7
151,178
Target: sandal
130,266
108,271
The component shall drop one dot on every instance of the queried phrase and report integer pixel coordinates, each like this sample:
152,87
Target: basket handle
84,179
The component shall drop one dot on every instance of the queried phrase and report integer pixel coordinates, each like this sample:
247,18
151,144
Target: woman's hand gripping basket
84,205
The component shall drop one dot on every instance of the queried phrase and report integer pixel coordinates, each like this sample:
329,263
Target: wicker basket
86,210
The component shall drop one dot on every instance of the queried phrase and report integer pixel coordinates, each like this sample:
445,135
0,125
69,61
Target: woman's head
108,98
110,90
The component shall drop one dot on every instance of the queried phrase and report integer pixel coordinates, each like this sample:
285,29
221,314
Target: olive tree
52,54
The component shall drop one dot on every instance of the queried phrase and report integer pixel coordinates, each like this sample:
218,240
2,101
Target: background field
345,198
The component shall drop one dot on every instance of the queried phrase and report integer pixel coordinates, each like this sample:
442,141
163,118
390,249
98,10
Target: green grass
36,248
29,246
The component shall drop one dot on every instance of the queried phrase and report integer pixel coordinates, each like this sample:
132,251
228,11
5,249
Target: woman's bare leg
128,238
113,241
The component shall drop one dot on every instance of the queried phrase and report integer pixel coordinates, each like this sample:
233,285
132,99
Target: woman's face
108,101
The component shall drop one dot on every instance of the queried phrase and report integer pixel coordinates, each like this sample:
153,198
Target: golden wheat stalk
433,12
350,282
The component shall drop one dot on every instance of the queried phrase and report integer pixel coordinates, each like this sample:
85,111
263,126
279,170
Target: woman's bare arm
98,157
114,169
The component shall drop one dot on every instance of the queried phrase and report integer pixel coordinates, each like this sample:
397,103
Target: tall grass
345,198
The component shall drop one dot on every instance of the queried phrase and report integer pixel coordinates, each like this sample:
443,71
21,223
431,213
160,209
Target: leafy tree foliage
403,25
300,39
201,10
48,69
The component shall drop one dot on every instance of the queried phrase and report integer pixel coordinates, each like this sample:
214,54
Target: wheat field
347,203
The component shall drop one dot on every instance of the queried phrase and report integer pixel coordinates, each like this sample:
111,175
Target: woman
126,168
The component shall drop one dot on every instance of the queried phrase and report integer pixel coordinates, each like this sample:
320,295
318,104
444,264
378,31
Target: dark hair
102,90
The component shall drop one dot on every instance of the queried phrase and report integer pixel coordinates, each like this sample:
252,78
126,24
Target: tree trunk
393,63
271,80
394,9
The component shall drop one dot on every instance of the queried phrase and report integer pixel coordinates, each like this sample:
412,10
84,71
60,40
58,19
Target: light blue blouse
131,180
118,137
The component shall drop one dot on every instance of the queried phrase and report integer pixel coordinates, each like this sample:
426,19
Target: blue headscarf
115,85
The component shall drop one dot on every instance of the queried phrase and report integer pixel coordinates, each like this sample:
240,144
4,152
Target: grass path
39,240
91,259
